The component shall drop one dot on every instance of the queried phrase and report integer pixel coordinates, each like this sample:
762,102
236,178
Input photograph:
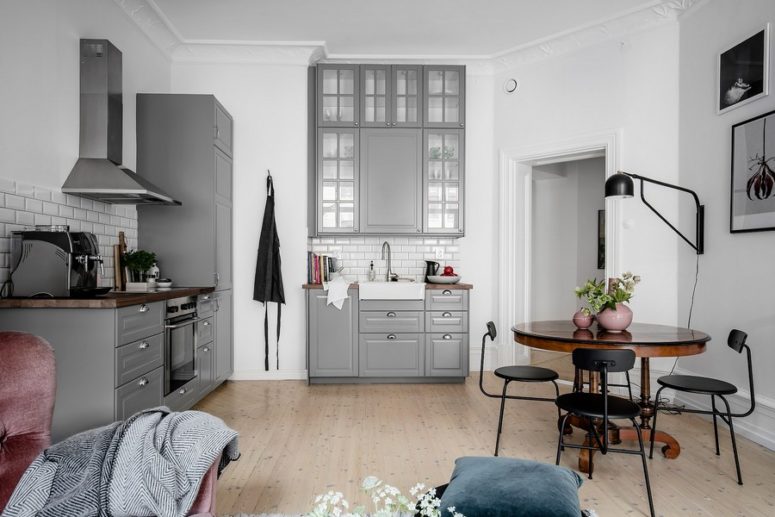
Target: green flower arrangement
620,290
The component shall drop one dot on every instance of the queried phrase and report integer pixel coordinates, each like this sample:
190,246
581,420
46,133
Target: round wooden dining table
646,340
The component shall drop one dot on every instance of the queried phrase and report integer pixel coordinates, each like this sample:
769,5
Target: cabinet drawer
137,358
391,321
446,321
446,355
391,355
183,398
205,331
446,300
141,393
205,305
205,365
392,305
139,321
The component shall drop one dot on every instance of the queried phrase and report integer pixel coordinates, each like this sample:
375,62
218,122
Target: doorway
567,241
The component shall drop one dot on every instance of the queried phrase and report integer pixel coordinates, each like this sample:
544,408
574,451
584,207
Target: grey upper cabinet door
337,180
223,221
223,125
406,100
444,89
332,335
444,175
391,181
224,339
375,98
338,94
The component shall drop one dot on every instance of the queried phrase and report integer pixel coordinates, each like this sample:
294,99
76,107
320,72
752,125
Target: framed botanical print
752,204
743,71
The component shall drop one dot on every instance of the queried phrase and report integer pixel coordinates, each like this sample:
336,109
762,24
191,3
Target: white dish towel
337,291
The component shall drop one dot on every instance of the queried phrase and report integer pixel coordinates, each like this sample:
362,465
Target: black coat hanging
268,286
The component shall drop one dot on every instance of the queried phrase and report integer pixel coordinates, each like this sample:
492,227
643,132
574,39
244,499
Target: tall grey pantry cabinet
184,145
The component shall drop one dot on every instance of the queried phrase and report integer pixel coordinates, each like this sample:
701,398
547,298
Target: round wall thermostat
510,86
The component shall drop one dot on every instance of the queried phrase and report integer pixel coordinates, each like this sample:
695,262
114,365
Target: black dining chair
600,408
519,373
714,388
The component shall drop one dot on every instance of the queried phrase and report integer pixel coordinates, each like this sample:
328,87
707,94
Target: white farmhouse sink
391,291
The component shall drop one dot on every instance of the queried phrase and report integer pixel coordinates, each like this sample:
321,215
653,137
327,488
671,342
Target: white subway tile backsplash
25,190
50,208
42,219
33,205
25,218
14,202
42,194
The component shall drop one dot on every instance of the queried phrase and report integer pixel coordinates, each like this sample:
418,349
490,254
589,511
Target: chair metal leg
629,385
654,422
500,418
560,446
645,467
557,391
715,424
734,443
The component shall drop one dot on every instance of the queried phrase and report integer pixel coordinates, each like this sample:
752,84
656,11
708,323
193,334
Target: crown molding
160,30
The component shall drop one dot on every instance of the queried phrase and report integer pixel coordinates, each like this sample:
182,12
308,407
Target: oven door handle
184,324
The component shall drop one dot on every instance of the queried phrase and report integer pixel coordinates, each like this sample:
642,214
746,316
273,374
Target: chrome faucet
389,275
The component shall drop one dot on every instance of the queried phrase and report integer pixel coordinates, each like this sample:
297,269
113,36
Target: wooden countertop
112,300
428,286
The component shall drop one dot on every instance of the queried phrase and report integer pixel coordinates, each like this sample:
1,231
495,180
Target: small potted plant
137,263
608,307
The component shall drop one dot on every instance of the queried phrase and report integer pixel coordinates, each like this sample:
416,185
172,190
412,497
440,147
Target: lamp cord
691,305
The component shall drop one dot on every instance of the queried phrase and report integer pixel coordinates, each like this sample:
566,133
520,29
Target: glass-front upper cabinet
337,202
391,96
444,96
444,180
338,95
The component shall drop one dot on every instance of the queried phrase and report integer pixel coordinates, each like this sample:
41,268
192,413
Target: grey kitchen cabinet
446,355
338,180
338,95
178,150
332,336
444,181
224,335
206,367
391,355
391,181
391,96
444,96
144,392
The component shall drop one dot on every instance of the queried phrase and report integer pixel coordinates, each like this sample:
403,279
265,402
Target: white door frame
515,217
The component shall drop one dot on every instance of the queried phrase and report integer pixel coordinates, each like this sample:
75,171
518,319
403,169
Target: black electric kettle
431,268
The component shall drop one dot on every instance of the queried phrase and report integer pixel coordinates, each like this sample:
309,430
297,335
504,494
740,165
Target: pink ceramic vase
583,321
615,320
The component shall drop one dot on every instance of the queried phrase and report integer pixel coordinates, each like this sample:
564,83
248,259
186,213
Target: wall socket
439,253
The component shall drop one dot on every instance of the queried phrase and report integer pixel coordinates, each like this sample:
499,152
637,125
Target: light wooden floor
299,441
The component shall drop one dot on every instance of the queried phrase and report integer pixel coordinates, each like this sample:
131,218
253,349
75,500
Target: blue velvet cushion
508,487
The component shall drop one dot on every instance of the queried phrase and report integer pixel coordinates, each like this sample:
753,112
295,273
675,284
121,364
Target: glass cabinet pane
346,215
451,82
435,109
345,170
338,181
435,82
444,174
338,93
451,109
346,82
445,96
434,192
329,169
346,146
330,80
329,215
330,146
450,192
330,107
347,191
329,191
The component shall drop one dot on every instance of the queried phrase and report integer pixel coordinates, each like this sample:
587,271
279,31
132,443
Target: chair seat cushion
508,487
526,373
695,384
591,404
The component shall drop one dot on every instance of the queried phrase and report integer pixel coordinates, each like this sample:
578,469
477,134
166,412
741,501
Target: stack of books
320,268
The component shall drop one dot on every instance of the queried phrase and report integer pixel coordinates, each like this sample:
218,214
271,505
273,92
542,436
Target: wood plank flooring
298,441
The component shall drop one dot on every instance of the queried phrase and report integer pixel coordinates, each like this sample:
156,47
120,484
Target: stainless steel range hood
98,173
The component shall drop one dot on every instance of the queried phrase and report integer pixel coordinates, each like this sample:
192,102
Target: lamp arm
699,247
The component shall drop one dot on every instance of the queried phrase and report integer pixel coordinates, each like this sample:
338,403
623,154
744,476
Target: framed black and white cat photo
743,71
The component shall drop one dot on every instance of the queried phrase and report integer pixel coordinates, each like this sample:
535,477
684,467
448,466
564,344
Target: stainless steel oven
180,343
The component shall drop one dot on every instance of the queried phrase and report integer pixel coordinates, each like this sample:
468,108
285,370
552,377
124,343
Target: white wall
590,176
39,66
269,107
736,286
628,86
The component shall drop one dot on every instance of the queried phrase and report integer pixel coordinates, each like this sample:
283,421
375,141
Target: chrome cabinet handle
143,345
217,132
182,391
446,292
356,124
447,336
205,349
142,382
387,124
446,315
185,324
391,337
206,323
143,308
205,297
391,314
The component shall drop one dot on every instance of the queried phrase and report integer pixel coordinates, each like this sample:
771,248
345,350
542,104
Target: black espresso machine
53,262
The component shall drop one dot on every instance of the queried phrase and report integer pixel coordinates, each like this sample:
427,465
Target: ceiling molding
160,30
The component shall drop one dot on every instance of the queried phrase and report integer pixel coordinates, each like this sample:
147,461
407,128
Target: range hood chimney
98,173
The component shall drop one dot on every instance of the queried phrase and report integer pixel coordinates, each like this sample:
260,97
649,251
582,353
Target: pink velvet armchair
27,394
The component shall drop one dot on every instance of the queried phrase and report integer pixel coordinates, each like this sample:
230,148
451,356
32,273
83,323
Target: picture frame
601,239
752,191
743,71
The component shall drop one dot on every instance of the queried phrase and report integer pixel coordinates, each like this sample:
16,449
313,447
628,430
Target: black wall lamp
620,185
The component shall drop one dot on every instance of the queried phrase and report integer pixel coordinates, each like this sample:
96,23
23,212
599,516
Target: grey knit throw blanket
151,464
